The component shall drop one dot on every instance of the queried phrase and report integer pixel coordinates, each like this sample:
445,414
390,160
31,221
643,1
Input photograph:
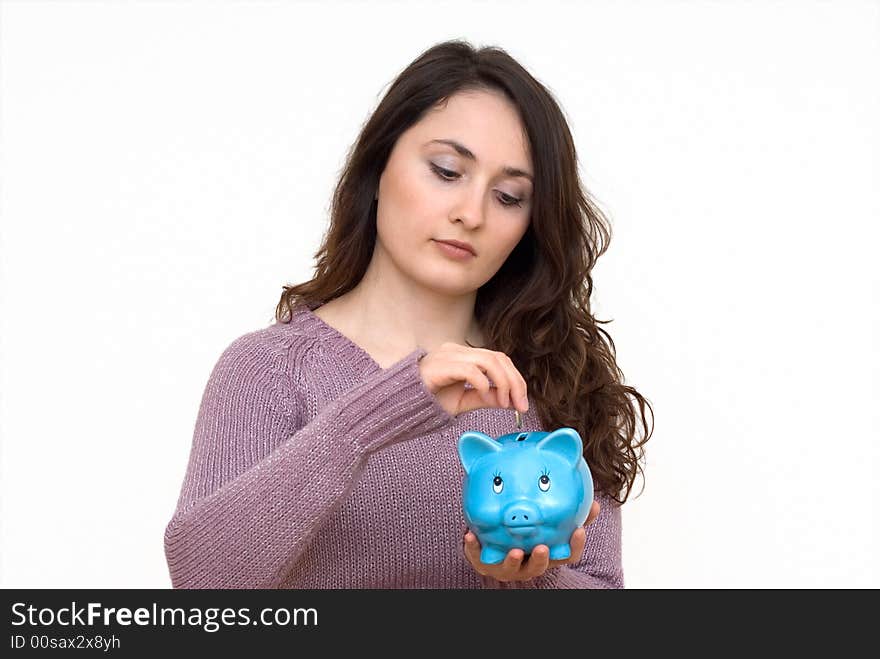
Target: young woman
324,453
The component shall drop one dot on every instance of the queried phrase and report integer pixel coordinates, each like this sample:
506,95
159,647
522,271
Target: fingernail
525,403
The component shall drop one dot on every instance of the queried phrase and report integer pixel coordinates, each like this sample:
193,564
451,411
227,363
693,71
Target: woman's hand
512,567
446,370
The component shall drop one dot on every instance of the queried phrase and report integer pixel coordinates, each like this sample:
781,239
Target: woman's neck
388,327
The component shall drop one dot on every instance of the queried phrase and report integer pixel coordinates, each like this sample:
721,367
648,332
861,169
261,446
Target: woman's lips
453,252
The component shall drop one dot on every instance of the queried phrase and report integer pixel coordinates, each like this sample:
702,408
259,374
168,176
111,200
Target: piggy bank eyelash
544,480
497,483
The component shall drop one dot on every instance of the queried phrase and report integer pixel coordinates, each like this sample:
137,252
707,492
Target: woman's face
431,191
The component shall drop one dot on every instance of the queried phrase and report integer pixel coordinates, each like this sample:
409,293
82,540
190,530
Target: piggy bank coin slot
522,436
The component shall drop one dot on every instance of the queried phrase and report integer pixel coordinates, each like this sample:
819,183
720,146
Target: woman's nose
470,209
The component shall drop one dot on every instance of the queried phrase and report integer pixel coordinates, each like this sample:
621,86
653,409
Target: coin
518,419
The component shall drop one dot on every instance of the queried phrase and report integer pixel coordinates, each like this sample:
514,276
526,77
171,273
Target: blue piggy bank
524,489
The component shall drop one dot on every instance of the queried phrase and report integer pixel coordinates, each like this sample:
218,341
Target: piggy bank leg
560,552
490,555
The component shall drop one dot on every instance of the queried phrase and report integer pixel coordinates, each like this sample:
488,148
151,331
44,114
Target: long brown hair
536,308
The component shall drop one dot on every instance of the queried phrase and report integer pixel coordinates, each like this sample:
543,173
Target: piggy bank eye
544,483
497,485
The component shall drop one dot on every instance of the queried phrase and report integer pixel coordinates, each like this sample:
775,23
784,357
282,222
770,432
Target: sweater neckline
324,330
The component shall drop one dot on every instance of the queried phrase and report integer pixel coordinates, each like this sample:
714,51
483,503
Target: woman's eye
448,175
444,174
507,200
497,485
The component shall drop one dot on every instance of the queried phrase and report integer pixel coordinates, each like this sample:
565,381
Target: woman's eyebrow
467,153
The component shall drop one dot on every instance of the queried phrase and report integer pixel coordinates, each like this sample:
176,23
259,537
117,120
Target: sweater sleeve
600,565
259,483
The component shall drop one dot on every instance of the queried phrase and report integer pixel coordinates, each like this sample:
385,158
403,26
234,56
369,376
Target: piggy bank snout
521,516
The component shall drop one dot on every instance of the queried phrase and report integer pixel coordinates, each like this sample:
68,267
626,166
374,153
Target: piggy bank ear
565,442
472,446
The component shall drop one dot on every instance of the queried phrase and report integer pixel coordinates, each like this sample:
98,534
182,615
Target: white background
167,166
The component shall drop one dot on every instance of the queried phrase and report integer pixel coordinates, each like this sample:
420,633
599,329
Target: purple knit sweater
313,467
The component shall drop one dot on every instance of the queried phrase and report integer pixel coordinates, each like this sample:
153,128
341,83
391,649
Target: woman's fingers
579,538
478,381
455,374
539,561
472,550
510,566
488,361
446,370
514,568
447,366
577,543
517,388
509,384
503,571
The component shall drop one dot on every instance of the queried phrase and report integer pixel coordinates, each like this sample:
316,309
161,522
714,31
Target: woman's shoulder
294,349
278,342
266,364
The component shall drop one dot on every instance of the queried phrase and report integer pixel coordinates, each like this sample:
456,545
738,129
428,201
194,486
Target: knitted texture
311,466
